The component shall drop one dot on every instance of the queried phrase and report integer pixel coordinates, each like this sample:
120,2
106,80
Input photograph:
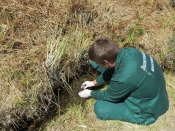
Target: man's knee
97,107
100,111
109,111
94,65
97,67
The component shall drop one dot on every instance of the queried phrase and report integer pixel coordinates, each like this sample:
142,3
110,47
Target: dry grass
43,44
156,22
31,55
26,93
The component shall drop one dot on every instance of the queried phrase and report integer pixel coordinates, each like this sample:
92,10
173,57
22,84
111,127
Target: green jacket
138,80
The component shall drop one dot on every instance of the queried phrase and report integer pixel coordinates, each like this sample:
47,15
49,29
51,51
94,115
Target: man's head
104,52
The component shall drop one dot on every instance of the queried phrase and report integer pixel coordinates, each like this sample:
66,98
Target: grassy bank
80,116
43,47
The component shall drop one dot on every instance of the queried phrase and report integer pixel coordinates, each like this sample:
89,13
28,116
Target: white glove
85,93
87,84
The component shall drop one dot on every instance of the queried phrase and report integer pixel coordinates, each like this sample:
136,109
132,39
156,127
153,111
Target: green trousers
106,110
109,111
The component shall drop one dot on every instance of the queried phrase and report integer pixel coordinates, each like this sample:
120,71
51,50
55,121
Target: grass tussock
43,45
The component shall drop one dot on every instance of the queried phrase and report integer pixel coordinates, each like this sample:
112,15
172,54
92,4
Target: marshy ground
42,46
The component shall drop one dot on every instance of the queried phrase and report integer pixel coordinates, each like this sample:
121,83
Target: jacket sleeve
117,91
105,76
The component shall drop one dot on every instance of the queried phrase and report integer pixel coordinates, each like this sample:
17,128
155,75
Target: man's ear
106,62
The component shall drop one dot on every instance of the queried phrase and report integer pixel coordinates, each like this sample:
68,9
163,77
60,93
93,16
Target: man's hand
85,93
87,84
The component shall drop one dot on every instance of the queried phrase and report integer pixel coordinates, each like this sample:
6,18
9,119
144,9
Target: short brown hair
103,49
